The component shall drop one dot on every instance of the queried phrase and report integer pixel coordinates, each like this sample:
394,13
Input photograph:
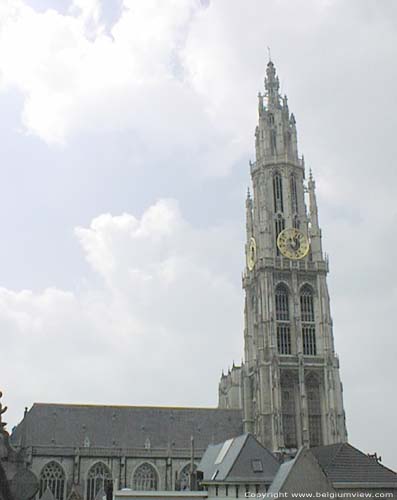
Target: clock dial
293,244
251,255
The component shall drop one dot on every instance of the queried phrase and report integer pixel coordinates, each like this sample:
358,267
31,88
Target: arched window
308,323
145,478
278,193
99,478
314,410
52,477
288,411
294,195
184,477
282,320
282,306
279,226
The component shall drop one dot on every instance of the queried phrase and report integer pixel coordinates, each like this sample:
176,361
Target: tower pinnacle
272,85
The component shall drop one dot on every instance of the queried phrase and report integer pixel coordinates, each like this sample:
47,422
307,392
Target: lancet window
278,193
294,195
308,323
314,410
288,412
282,320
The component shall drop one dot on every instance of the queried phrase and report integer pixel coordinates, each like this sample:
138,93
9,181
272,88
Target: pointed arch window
282,320
52,477
314,410
308,322
279,226
145,478
282,305
288,408
294,194
184,477
99,478
278,193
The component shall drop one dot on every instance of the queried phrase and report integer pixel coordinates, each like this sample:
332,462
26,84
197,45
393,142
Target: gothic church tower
290,388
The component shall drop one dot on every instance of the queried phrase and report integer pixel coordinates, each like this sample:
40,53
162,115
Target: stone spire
315,231
272,85
249,218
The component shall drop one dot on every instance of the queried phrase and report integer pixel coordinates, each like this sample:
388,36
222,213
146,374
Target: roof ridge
97,405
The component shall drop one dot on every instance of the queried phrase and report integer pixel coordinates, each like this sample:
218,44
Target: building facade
77,451
289,385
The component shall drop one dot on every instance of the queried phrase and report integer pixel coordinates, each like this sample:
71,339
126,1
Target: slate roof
282,474
343,463
126,426
237,463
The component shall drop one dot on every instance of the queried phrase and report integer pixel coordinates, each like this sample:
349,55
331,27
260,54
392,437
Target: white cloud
147,317
76,77
181,81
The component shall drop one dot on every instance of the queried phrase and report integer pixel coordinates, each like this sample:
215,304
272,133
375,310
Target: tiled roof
236,463
345,464
127,426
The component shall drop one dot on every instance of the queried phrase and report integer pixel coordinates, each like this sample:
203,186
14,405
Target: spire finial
272,85
269,54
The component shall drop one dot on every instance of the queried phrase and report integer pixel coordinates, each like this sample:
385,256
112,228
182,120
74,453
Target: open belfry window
308,322
283,320
278,193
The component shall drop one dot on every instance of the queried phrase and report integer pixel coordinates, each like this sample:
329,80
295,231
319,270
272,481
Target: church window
309,340
283,338
307,309
278,193
184,477
295,222
273,141
308,324
294,195
282,307
99,478
279,226
314,410
282,319
52,477
288,412
145,478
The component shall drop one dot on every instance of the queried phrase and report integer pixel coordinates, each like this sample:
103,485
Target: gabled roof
302,474
345,464
126,426
242,459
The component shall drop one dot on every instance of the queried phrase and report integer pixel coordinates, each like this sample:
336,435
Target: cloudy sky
126,127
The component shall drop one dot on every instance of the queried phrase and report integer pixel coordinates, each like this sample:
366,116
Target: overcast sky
126,127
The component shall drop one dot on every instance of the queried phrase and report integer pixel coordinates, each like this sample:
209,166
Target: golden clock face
251,256
293,244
